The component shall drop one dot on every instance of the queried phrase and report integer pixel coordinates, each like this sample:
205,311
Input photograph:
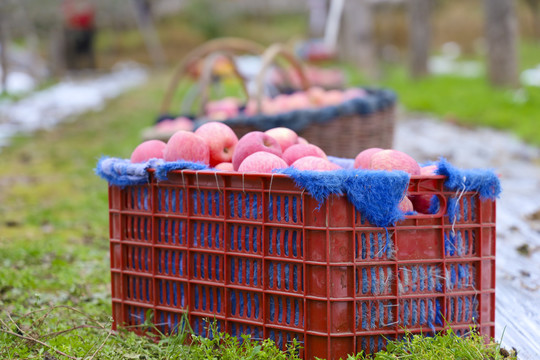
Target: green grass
472,102
448,346
529,54
54,227
468,101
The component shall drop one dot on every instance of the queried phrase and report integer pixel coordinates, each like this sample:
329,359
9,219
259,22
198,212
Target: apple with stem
221,141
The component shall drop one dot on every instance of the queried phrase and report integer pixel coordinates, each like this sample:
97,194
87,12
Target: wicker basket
344,136
342,130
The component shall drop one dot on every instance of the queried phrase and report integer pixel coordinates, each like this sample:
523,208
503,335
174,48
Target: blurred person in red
79,30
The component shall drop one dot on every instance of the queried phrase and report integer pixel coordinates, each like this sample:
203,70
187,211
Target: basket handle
268,58
205,80
230,44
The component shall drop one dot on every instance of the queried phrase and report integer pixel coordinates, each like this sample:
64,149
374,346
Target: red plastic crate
255,253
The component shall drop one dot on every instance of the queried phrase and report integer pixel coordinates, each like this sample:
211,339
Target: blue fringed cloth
121,172
375,194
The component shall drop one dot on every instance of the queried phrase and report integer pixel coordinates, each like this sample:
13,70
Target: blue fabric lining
122,172
163,169
374,194
483,181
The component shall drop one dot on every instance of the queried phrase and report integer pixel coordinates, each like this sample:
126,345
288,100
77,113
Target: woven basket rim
375,101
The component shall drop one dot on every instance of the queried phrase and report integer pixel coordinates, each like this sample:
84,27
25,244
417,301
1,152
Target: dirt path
518,215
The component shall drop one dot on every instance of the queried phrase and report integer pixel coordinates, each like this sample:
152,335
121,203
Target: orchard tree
357,38
419,36
501,37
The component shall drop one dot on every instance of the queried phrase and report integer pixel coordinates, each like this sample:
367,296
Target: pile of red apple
315,97
229,107
215,144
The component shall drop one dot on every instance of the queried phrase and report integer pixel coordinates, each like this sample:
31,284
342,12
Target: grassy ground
53,209
472,102
469,101
54,265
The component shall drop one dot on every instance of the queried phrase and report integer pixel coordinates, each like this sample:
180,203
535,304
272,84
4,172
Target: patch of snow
25,70
70,97
18,82
448,65
531,77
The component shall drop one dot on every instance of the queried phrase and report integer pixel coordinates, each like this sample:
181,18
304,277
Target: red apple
222,109
172,125
251,108
183,123
253,142
428,170
333,97
225,166
421,203
406,205
151,149
262,162
221,141
165,125
353,93
394,160
314,163
316,95
271,107
298,101
301,140
363,159
298,151
284,136
281,103
185,145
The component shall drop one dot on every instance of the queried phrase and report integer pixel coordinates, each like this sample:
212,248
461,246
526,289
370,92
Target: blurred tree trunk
145,23
534,6
32,40
3,47
56,60
357,43
419,36
501,36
